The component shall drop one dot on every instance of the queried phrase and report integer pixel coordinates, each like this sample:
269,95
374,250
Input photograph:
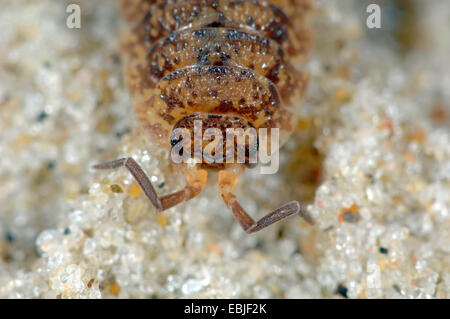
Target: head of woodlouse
214,140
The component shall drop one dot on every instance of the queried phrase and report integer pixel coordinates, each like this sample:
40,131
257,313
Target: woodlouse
227,63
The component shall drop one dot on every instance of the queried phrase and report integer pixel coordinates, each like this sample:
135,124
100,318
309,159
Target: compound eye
178,144
174,141
251,154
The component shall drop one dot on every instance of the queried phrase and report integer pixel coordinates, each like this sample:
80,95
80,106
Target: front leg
227,180
196,183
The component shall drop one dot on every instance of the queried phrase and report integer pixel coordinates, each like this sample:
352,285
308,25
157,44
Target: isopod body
227,64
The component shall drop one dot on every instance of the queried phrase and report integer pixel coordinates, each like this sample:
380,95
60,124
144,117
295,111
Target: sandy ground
370,160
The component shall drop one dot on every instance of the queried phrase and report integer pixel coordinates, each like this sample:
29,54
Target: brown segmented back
229,57
226,64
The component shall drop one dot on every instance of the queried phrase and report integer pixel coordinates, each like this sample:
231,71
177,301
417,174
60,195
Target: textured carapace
227,64
220,57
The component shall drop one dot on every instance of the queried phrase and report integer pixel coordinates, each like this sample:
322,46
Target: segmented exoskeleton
226,63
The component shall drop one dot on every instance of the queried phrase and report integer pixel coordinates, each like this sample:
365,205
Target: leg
196,182
227,180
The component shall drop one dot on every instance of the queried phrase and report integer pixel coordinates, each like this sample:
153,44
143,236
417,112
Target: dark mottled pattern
230,58
221,47
255,16
224,89
224,123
